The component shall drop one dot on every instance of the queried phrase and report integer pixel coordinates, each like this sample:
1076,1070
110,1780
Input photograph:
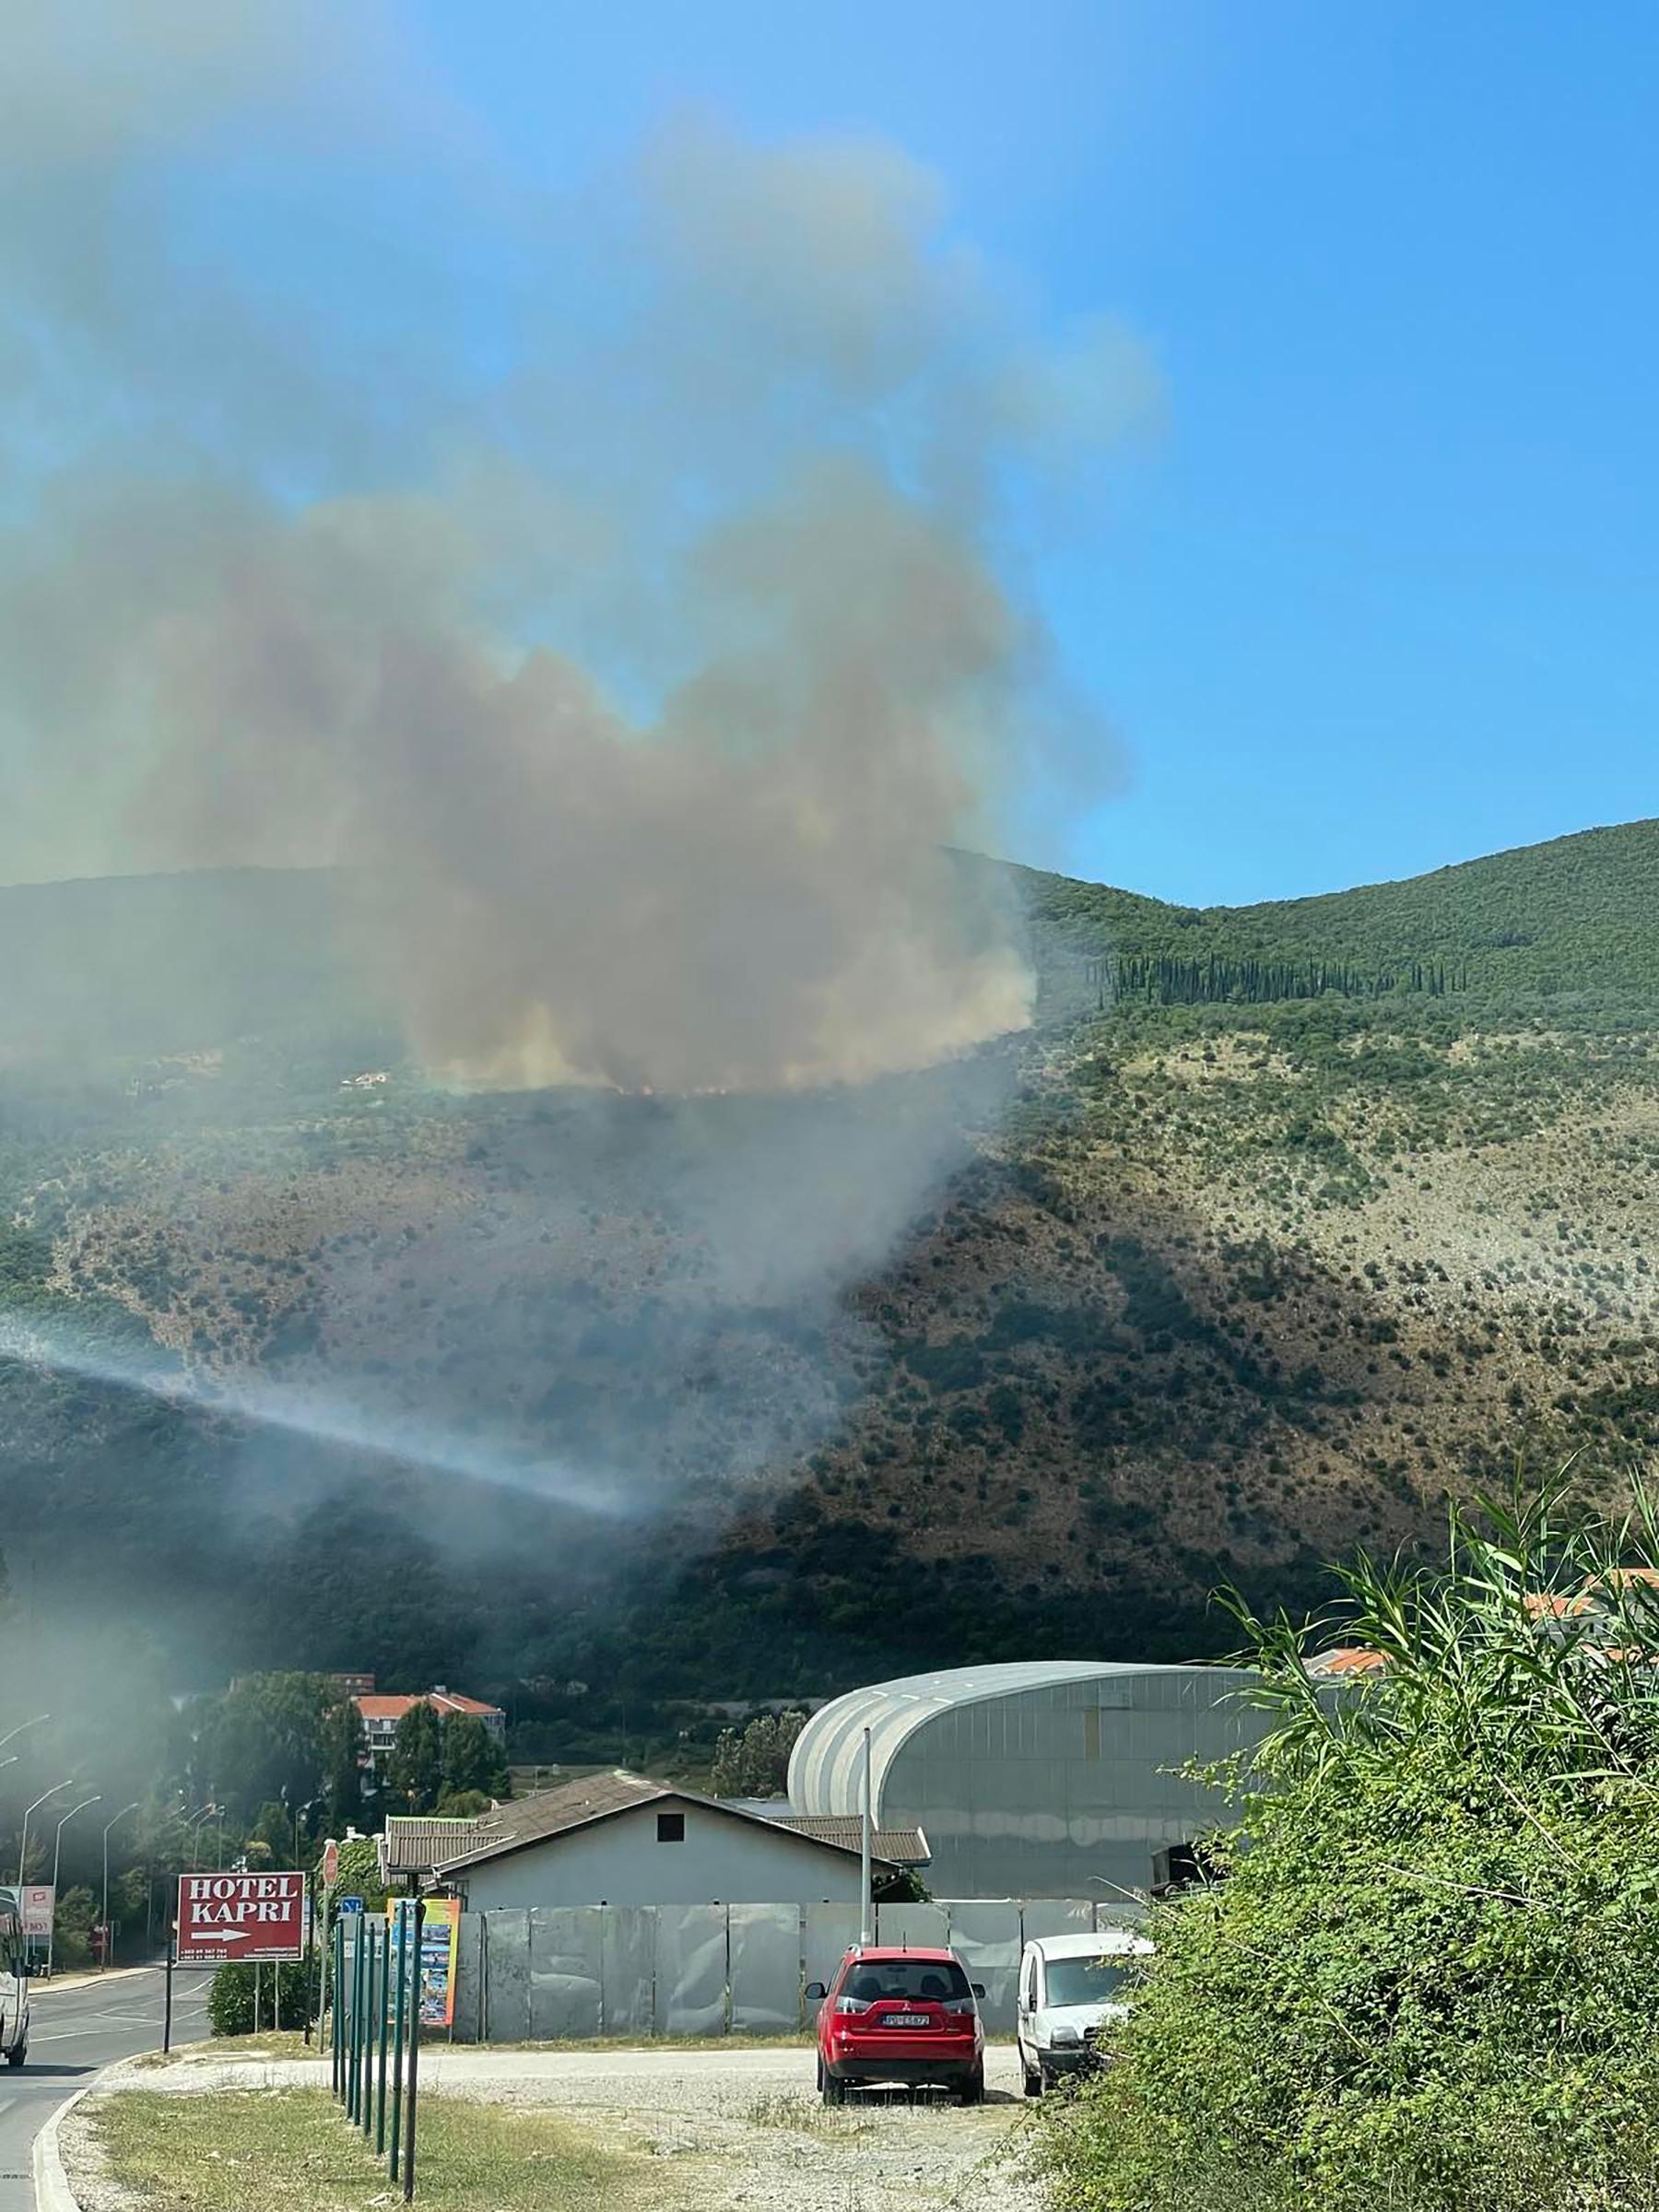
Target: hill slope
1247,1269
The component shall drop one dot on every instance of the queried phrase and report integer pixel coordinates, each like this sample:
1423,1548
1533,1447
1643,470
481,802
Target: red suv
902,2015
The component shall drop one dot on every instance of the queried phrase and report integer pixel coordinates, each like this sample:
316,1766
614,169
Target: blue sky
1379,591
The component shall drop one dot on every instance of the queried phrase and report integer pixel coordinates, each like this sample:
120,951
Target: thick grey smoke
647,676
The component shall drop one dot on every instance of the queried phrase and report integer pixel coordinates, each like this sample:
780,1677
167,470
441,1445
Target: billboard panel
226,1917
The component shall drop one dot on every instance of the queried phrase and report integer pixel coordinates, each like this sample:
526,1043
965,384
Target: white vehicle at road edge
13,1984
1071,1987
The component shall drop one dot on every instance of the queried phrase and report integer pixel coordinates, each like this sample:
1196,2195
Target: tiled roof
444,1700
415,1845
901,1846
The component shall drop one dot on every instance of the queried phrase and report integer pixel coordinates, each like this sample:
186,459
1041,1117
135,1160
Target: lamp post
39,1718
57,1846
104,1955
23,1847
194,1823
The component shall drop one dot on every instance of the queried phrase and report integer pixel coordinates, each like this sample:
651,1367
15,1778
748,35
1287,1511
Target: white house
621,1839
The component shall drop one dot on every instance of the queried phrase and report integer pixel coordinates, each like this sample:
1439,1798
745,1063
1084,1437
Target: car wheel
1033,2082
835,2092
972,2090
17,2057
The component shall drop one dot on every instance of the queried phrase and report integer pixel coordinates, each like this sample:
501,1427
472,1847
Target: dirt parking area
724,2128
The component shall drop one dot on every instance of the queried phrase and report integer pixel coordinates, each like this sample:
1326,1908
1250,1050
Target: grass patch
257,2049
291,2150
802,2115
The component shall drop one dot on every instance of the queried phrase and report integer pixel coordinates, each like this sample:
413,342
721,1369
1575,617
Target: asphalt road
74,2032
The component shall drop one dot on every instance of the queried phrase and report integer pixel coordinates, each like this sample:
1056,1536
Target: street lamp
103,1959
57,1846
40,1801
22,1724
194,1823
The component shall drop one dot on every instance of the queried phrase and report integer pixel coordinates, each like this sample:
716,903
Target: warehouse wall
1067,1788
723,1860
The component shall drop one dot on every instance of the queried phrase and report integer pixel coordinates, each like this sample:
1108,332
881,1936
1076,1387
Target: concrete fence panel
627,1936
703,1969
506,1977
766,1974
986,1938
691,1970
1057,1916
566,1969
469,1979
924,1927
829,1932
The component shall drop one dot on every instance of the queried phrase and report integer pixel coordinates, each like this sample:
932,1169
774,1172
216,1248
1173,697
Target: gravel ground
748,2124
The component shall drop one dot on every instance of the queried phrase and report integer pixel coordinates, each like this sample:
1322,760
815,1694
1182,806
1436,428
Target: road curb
53,2193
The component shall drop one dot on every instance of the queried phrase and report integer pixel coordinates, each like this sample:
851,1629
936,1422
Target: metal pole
40,1801
57,1852
336,2048
122,1815
414,2049
864,1852
376,1971
256,1996
167,2014
276,1996
381,2022
398,2058
366,2093
356,2016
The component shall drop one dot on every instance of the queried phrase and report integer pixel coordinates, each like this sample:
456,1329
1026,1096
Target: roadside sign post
381,2022
336,2047
373,1972
402,1949
167,2009
413,1968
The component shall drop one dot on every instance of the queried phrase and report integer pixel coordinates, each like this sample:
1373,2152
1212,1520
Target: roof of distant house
594,1797
445,1701
415,1843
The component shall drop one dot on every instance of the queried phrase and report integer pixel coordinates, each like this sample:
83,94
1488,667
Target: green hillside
1569,921
1235,1275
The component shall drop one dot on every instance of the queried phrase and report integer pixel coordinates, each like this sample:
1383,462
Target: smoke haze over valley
531,1141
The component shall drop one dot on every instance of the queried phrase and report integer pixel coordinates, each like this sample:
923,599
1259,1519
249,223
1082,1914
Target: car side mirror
978,1988
815,1993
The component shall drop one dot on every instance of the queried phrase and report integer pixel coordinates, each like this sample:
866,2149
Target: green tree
415,1771
265,1739
343,1749
473,1760
755,1764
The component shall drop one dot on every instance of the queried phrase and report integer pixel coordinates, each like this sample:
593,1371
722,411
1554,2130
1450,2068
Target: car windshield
1086,1980
912,1980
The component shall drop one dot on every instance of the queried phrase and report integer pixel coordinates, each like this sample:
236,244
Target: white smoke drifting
647,673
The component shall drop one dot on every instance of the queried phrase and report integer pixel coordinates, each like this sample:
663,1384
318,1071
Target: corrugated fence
542,1975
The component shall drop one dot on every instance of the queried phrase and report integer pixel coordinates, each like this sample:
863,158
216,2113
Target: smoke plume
640,629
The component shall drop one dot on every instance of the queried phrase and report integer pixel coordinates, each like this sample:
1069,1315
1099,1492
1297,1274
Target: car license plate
908,2020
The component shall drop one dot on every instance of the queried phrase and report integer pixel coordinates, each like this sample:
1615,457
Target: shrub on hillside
1425,1981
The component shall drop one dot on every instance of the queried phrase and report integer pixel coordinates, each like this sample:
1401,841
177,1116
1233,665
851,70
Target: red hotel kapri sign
224,1916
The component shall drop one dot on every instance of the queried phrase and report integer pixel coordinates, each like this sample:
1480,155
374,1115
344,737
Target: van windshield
873,1979
1086,1980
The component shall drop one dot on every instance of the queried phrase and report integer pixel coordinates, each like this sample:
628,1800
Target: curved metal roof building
1036,1779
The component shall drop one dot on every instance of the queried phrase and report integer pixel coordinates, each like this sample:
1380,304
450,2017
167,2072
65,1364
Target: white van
1070,1987
14,1983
